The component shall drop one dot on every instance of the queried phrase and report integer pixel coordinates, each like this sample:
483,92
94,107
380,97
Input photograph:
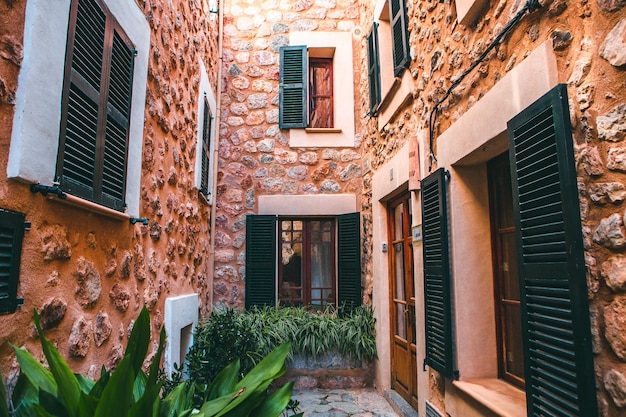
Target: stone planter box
329,371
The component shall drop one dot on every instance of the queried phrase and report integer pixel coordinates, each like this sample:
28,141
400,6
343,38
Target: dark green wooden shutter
293,87
260,260
206,149
437,288
559,369
11,235
349,258
399,36
117,123
373,68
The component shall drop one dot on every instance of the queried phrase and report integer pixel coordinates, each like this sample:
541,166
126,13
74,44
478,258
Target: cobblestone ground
343,403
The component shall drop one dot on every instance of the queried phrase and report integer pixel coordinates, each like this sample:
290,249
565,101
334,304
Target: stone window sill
322,130
91,207
498,396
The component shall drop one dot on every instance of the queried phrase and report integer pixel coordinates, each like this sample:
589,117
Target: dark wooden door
402,300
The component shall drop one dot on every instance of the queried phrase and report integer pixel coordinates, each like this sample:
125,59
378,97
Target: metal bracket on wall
48,189
143,220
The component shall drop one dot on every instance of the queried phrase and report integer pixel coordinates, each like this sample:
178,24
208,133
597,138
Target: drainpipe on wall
218,112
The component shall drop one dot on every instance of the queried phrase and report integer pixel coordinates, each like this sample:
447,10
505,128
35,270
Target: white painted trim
206,90
180,312
307,205
35,134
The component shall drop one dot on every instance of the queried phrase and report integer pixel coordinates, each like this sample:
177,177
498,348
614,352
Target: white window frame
205,92
37,112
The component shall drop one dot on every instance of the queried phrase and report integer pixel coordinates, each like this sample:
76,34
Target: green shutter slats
437,288
206,142
400,36
293,111
11,235
349,259
89,42
260,260
373,65
559,372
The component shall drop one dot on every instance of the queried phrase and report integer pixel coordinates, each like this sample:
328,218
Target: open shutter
400,36
349,257
373,68
11,235
293,92
260,260
117,123
559,369
437,286
206,146
81,100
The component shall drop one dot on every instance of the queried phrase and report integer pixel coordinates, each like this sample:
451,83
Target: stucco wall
89,274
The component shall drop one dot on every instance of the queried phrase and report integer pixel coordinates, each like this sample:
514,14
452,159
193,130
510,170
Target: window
506,277
387,51
316,261
95,119
206,150
306,88
307,263
11,235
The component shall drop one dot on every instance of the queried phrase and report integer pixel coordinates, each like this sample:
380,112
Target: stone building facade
87,269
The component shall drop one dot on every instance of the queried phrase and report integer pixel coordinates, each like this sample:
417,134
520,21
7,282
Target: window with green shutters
400,36
11,235
559,372
205,163
437,284
373,68
93,143
303,261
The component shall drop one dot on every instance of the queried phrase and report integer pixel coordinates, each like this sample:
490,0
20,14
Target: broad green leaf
52,404
101,383
156,361
87,405
211,408
68,387
86,384
246,400
41,412
268,368
139,340
148,404
224,382
275,403
117,396
177,401
139,387
38,376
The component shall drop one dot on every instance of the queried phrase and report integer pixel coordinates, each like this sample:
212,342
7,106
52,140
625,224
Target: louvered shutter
117,122
260,260
293,111
437,286
399,36
349,258
373,68
206,146
11,235
79,129
558,359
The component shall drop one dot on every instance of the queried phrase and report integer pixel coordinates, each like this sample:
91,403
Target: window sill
322,130
498,396
91,207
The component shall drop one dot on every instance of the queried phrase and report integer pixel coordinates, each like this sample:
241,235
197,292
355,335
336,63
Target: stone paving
343,403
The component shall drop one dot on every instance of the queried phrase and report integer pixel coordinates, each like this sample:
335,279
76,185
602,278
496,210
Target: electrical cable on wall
530,6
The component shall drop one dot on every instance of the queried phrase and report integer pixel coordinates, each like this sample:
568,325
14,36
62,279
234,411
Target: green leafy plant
129,392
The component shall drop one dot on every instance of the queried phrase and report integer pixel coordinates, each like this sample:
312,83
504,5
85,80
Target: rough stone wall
589,40
254,154
88,275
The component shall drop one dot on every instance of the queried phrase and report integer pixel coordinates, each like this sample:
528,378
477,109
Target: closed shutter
400,36
260,260
79,128
349,257
117,123
437,286
559,369
293,111
11,235
373,68
206,145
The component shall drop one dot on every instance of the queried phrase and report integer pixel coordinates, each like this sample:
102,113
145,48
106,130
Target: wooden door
402,300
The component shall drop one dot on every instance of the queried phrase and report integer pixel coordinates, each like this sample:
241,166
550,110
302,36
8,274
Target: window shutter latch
48,189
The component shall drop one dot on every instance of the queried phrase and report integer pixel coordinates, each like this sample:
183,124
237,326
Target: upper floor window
203,177
321,96
206,149
95,118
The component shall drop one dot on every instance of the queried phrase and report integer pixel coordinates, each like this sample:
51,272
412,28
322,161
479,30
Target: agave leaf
224,382
139,340
275,403
68,388
117,396
38,376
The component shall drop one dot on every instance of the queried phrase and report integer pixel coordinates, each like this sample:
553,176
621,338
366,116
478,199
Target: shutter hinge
135,52
143,220
47,189
27,226
424,365
19,302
